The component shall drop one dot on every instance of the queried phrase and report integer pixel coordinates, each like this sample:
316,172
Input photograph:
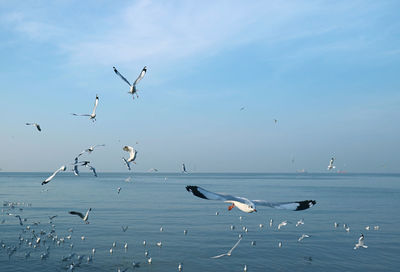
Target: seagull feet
231,207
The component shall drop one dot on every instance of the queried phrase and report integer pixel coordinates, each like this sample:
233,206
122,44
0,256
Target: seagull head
252,207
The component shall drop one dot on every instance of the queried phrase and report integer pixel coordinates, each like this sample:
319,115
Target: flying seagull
247,205
90,149
360,242
331,166
183,168
302,237
132,155
62,168
132,89
84,217
93,115
229,253
34,124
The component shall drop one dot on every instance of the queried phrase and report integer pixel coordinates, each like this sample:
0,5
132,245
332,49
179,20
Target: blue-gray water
150,201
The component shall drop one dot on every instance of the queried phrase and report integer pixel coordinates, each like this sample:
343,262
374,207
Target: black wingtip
306,204
195,191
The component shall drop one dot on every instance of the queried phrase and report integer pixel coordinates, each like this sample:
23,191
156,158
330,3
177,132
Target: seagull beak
255,210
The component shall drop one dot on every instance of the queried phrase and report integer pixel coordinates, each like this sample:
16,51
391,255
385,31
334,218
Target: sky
328,71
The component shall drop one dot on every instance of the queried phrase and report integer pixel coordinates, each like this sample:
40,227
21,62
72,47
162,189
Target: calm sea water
153,200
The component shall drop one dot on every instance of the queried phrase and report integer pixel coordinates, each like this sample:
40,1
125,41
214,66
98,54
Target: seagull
20,220
271,222
132,89
127,165
242,108
90,149
34,124
282,224
62,168
84,217
183,168
302,237
331,166
132,155
124,229
93,115
118,190
300,222
247,205
229,253
276,121
360,242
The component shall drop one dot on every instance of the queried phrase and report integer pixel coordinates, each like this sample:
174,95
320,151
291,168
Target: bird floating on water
132,89
247,205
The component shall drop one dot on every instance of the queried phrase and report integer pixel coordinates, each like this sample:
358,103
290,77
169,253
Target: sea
157,208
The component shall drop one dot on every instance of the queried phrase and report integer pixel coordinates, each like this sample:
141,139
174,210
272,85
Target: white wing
62,168
132,152
219,256
237,243
127,164
96,102
141,75
76,114
121,76
294,206
202,193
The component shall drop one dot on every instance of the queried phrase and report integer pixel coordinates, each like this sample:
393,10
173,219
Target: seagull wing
77,213
121,76
76,114
96,102
202,193
38,127
294,206
127,164
141,75
219,256
93,170
237,243
76,171
132,152
62,168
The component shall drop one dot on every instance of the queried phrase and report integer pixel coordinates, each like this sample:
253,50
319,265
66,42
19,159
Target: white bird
180,267
159,244
34,124
132,155
331,166
282,224
149,260
84,217
271,222
132,89
229,253
247,205
89,150
367,227
62,168
376,227
300,222
360,242
93,115
335,225
118,190
280,244
185,232
245,268
302,237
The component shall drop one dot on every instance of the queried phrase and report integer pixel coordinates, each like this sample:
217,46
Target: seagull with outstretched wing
229,253
62,168
35,125
247,205
84,217
132,89
132,155
93,115
89,150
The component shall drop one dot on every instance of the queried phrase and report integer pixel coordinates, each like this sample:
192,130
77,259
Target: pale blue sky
327,70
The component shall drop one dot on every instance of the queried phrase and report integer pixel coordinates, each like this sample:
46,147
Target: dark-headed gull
331,166
93,115
62,168
247,205
132,89
34,124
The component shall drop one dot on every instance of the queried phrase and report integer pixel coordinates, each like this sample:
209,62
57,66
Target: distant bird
282,224
376,227
132,155
302,237
180,267
118,190
242,108
229,253
34,124
62,168
183,168
132,89
360,242
247,205
300,222
335,224
331,166
276,121
93,115
159,244
20,220
124,229
280,244
84,217
271,222
90,149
